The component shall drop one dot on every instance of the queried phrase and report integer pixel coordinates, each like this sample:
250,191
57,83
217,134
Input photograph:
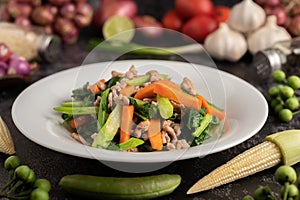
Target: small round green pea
278,108
262,193
12,162
292,103
275,102
42,184
274,91
287,92
294,82
248,197
285,115
23,172
278,76
285,174
31,178
39,194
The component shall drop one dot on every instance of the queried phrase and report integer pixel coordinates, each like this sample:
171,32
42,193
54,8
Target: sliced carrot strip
154,134
126,122
94,88
78,121
178,96
171,84
205,104
145,92
127,91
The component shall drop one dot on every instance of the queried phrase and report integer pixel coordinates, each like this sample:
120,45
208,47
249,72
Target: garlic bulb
246,16
226,44
267,36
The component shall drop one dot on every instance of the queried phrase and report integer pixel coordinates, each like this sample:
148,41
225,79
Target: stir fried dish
140,113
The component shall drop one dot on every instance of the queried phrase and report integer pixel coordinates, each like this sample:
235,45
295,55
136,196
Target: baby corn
282,147
6,142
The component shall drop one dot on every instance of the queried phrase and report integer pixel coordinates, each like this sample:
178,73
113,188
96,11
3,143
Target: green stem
134,48
8,185
285,194
296,112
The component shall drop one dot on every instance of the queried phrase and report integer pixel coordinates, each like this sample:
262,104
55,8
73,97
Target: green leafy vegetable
103,108
131,143
77,110
109,129
165,107
203,125
144,109
111,82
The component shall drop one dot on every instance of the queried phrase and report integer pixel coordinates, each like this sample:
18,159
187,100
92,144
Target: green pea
278,108
285,174
292,103
285,115
278,76
275,102
43,184
294,82
12,162
39,194
287,92
248,197
262,193
31,178
23,172
274,91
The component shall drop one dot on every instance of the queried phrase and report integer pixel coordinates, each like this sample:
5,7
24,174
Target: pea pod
97,187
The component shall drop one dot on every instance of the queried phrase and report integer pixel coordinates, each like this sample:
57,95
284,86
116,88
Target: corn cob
282,147
6,142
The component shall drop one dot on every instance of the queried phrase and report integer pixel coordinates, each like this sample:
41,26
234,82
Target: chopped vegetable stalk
72,104
103,108
204,124
131,143
140,80
126,122
109,129
165,107
77,110
134,48
154,134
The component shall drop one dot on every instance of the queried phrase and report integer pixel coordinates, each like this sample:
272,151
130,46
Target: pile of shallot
12,64
61,17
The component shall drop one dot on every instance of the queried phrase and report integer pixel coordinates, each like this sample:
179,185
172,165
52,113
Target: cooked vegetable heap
132,112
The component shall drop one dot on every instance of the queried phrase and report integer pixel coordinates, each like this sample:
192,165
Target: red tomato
171,20
199,27
222,13
191,8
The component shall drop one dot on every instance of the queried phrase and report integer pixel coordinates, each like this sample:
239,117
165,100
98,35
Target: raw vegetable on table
98,187
132,112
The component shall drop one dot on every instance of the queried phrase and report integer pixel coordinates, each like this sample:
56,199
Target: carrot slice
154,134
205,104
126,122
94,88
78,121
169,83
218,113
127,91
145,92
178,96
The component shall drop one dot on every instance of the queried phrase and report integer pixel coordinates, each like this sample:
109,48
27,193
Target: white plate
33,115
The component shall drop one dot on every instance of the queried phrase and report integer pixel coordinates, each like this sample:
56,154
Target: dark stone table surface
54,165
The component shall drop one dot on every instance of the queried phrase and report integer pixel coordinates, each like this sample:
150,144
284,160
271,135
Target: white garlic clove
246,16
267,36
226,44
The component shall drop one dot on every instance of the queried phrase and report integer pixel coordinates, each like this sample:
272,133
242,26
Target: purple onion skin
42,15
68,11
71,37
63,26
59,2
19,67
3,65
23,21
5,53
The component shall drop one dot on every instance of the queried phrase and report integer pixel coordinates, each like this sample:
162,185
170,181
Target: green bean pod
97,187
